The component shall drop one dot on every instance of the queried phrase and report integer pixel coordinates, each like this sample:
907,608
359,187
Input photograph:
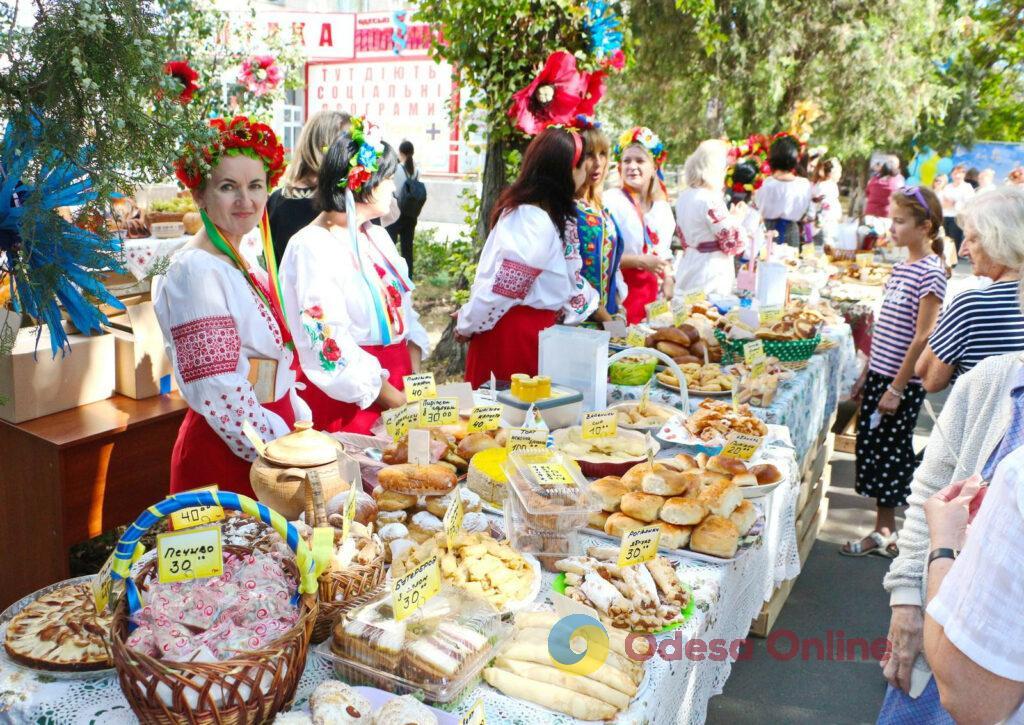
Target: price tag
416,588
522,438
740,445
694,297
189,554
807,251
322,547
615,328
484,417
639,545
453,519
754,357
658,309
419,447
419,386
552,474
635,338
439,411
770,315
391,417
103,585
474,716
735,397
600,424
864,259
196,515
349,514
645,395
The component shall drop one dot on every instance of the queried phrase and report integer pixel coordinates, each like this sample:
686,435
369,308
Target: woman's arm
927,313
935,374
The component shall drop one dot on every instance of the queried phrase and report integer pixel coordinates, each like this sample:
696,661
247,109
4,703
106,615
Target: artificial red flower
593,94
184,74
357,177
330,350
394,298
260,74
616,60
190,178
553,97
316,312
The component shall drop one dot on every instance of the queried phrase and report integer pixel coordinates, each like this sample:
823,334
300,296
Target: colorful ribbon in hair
366,160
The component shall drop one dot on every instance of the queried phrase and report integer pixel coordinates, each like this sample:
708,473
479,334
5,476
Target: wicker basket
789,352
253,686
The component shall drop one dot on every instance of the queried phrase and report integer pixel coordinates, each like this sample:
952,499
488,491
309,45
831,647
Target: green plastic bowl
632,370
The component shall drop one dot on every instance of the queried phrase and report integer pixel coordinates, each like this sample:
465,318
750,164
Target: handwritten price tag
485,417
520,439
635,338
391,421
196,515
453,519
416,588
740,445
349,514
639,545
658,309
753,355
552,474
694,297
474,716
770,315
103,585
680,316
439,411
864,259
419,386
600,424
189,554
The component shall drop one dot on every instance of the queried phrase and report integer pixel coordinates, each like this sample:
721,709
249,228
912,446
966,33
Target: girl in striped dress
890,393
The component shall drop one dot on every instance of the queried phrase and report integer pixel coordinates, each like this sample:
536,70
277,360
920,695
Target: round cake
60,631
486,476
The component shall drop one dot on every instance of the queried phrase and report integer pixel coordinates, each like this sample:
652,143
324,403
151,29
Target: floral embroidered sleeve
584,299
728,232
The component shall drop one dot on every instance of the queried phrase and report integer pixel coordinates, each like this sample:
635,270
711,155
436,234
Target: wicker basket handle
316,509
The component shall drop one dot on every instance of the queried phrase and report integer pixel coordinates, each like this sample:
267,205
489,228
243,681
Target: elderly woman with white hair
713,235
984,322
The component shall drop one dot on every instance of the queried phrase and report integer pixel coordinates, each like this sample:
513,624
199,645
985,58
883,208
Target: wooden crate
846,438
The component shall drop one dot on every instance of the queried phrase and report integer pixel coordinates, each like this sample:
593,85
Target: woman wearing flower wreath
642,213
530,270
347,291
221,318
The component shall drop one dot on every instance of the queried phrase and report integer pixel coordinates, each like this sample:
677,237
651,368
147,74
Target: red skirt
644,288
511,346
334,415
201,458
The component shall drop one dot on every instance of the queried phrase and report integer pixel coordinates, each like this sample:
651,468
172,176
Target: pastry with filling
60,631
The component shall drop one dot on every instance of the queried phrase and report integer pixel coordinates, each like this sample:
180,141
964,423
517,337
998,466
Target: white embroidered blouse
213,324
659,221
525,262
338,299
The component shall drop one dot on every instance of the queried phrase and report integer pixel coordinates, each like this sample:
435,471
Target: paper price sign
520,439
740,445
474,716
196,515
807,251
635,338
453,519
439,411
770,315
419,386
552,474
398,420
103,586
639,545
485,417
694,297
391,421
349,514
189,554
680,316
600,424
753,355
416,588
658,309
864,259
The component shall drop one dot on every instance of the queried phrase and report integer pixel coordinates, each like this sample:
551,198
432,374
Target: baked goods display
872,274
524,670
450,446
487,569
404,520
714,420
60,630
335,703
642,598
486,476
432,479
684,344
643,415
603,456
799,323
708,378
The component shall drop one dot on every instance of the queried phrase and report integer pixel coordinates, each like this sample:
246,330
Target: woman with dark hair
878,194
784,198
530,272
403,231
347,291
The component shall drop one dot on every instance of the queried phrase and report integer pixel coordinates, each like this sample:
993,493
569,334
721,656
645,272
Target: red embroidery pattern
267,317
226,415
514,279
715,216
206,347
729,240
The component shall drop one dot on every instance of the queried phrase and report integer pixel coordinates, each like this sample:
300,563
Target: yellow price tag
196,515
552,474
322,547
474,716
416,588
680,316
657,309
419,386
754,357
740,445
453,519
639,545
770,315
694,297
807,251
635,338
398,420
189,554
103,585
520,439
438,411
600,424
484,417
391,421
864,259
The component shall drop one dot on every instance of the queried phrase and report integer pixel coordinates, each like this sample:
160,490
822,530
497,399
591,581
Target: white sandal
856,548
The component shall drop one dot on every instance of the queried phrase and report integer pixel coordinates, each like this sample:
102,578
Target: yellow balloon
927,170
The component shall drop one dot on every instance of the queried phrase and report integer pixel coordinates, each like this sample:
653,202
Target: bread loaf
474,443
671,349
716,536
598,519
721,498
608,491
766,473
618,524
391,501
643,507
744,517
666,483
725,465
683,511
745,479
413,480
674,537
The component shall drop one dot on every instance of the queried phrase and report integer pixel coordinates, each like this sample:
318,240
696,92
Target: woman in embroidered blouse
347,292
713,234
642,213
530,271
221,319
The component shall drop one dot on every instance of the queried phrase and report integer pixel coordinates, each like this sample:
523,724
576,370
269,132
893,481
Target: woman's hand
651,263
390,397
906,638
858,387
949,511
889,403
461,339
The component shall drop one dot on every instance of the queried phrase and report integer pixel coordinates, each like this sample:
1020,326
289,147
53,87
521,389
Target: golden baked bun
683,511
716,536
766,473
633,478
474,443
643,507
744,517
674,537
666,483
618,524
609,491
745,479
710,478
684,462
391,501
721,498
598,519
431,480
725,465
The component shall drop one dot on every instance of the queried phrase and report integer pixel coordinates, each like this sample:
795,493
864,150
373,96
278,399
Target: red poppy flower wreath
556,96
237,136
182,72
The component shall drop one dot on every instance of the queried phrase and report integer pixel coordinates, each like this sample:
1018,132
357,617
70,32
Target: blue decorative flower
602,26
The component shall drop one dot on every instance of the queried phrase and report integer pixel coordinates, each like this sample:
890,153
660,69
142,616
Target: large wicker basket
793,354
250,688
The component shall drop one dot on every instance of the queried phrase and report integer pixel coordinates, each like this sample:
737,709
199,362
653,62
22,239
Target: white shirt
213,324
980,604
659,220
525,262
957,195
828,209
703,217
331,309
783,199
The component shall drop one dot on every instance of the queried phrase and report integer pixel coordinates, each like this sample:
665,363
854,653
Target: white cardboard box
142,367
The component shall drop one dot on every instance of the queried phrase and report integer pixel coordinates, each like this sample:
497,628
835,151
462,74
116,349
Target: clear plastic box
547,545
436,653
549,490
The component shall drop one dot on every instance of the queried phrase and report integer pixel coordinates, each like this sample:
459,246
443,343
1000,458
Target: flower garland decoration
182,72
369,137
558,94
750,151
239,136
801,121
646,138
604,35
260,74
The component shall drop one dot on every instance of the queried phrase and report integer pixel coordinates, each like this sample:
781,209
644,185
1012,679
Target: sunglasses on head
915,191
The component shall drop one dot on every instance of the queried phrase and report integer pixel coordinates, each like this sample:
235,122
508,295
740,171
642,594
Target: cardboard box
142,367
35,384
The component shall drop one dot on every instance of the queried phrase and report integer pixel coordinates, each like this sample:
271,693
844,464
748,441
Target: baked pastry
474,522
392,501
404,710
726,465
766,473
597,520
716,536
674,537
609,491
335,703
667,483
542,692
633,478
423,526
487,477
474,443
438,505
398,548
391,517
393,532
441,655
744,517
745,479
366,508
721,498
60,631
619,523
433,479
642,506
682,462
683,511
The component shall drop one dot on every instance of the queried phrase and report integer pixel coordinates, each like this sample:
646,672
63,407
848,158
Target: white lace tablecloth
149,256
728,596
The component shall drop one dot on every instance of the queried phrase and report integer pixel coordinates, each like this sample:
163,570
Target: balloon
927,170
945,165
912,181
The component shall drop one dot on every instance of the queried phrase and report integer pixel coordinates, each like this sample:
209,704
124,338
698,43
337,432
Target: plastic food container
436,653
563,408
547,545
548,490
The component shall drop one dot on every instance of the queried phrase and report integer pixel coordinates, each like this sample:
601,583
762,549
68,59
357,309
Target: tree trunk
714,118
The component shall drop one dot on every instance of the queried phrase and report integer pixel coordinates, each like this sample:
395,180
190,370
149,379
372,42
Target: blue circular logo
590,637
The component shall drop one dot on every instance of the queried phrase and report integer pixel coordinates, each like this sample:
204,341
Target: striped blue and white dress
978,324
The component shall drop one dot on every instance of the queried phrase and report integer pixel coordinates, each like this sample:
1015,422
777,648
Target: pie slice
60,631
